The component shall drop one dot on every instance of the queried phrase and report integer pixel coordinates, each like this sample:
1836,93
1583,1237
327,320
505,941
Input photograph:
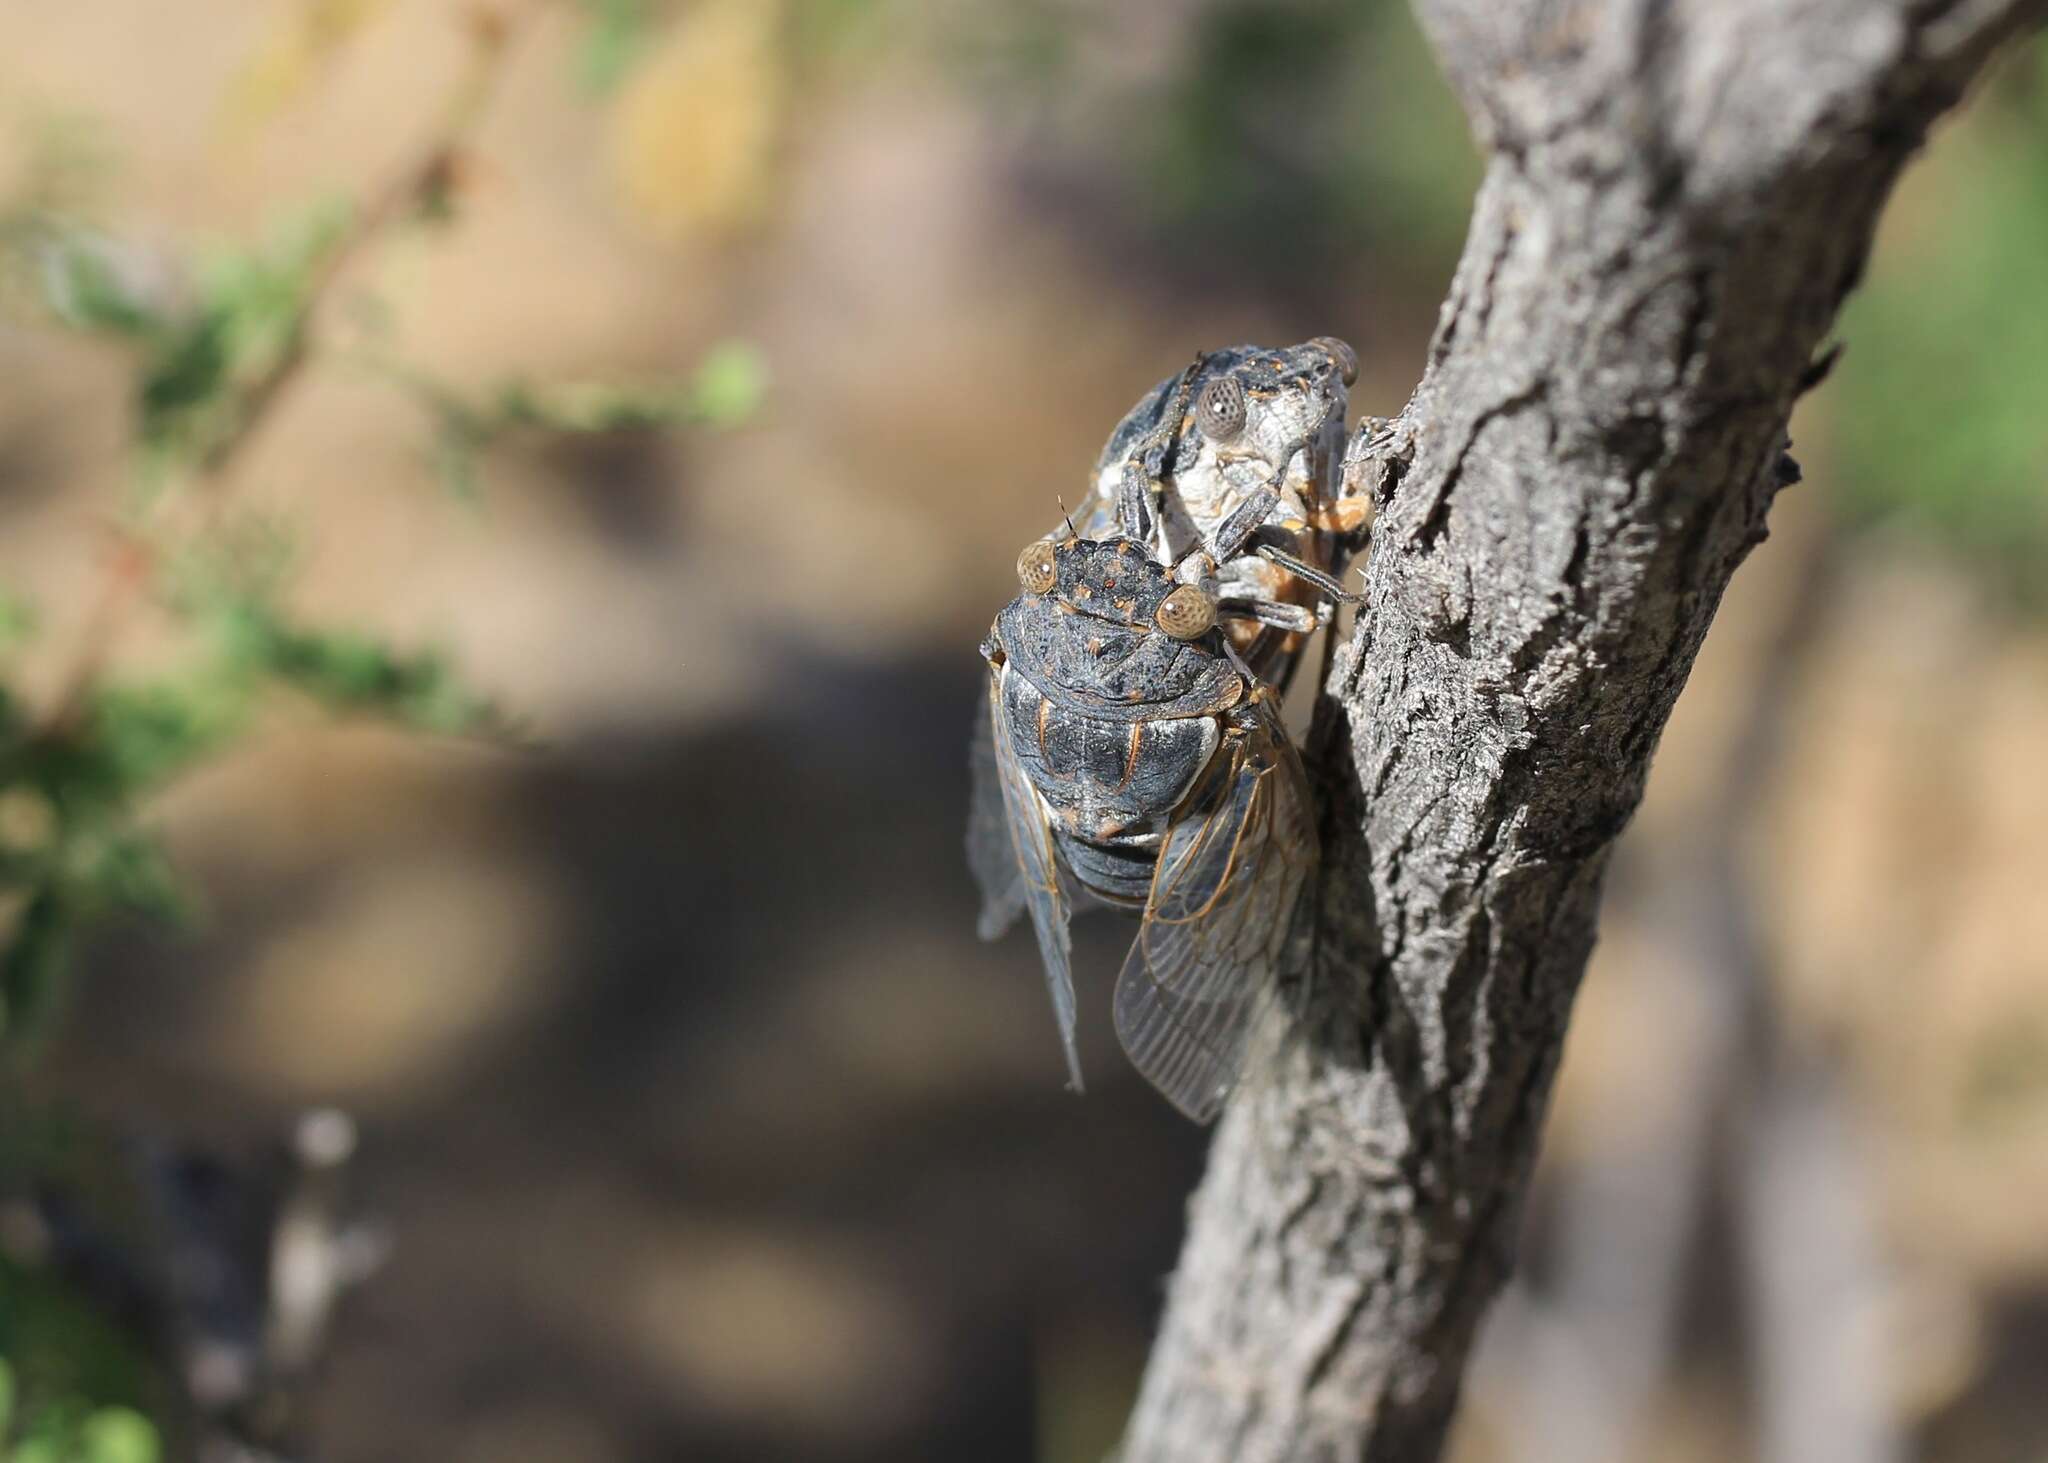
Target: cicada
1126,755
1239,457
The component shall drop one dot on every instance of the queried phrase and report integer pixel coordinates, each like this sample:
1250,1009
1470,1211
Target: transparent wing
1037,887
990,852
1223,902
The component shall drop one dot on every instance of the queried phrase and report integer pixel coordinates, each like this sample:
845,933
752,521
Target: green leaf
616,37
70,1357
725,390
189,370
129,740
730,384
251,312
589,406
348,670
117,1435
131,870
141,735
85,286
17,620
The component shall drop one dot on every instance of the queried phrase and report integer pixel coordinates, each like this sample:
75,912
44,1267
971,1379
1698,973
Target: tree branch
1677,201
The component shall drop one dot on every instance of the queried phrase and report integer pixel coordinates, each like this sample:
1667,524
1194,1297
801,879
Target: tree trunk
1678,198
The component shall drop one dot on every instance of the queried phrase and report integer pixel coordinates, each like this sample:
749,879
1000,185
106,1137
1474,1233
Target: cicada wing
1036,870
991,853
1224,899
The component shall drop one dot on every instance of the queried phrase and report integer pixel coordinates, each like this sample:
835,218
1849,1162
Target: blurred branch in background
1805,1192
1764,1124
1748,1120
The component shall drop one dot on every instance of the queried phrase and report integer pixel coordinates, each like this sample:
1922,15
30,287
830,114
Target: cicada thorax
1241,425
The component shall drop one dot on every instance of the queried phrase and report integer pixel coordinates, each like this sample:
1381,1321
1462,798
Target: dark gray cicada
1239,456
1126,756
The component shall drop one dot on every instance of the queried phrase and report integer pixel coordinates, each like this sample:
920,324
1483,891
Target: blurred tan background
704,1127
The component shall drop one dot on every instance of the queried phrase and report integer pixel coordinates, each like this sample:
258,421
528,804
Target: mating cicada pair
1130,752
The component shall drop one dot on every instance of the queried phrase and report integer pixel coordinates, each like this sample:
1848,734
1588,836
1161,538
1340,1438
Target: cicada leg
1140,484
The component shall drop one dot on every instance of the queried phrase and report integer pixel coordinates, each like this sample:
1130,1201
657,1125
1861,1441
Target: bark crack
1437,518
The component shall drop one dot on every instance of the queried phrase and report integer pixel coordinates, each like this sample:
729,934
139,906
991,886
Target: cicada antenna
1072,532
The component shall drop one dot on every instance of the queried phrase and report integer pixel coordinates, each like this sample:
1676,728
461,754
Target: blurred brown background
704,1127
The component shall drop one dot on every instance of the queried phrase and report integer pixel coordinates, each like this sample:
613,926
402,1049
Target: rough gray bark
1678,198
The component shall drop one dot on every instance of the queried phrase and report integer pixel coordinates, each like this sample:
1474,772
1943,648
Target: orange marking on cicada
1131,756
1346,515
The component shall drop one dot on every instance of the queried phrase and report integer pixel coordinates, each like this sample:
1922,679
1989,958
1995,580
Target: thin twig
426,177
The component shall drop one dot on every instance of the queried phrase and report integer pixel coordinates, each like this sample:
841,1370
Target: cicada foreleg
1141,484
1134,505
1326,582
1246,519
1350,515
1279,614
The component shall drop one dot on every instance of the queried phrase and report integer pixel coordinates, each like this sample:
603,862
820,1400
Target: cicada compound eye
1035,570
1340,352
1186,613
1219,410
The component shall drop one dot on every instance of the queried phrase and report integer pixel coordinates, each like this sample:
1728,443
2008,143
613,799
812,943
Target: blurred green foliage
1313,128
67,1430
1272,136
1940,422
725,391
74,845
618,33
78,1379
199,374
65,166
1289,132
213,341
206,337
213,337
614,35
